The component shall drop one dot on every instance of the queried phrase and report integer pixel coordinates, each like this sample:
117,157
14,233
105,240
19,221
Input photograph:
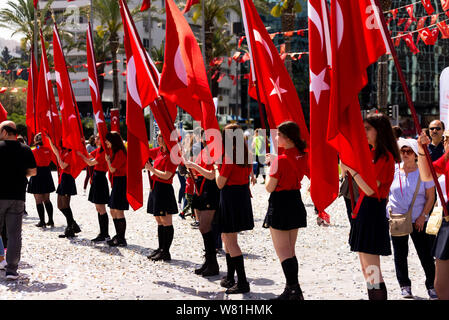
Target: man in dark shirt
436,147
17,163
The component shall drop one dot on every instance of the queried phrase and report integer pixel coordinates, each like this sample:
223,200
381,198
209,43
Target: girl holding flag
99,189
286,212
161,201
370,235
41,185
118,202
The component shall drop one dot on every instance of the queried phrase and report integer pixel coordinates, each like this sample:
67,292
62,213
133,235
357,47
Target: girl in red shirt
118,202
66,189
286,212
99,189
235,212
162,201
370,235
41,185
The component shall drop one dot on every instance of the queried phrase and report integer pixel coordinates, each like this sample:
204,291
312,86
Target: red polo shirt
163,163
290,169
43,156
384,169
119,163
101,165
236,174
66,157
201,160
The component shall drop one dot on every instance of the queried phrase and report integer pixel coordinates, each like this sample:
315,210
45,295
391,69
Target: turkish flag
410,9
358,40
72,130
189,4
428,6
146,4
183,80
3,113
421,22
47,114
35,3
323,157
408,38
269,73
95,89
427,36
445,4
444,29
394,13
31,116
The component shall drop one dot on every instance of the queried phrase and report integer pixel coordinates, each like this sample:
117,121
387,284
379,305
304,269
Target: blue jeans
2,248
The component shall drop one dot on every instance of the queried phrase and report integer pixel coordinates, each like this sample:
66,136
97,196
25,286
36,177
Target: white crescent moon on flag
94,88
315,18
131,81
58,79
340,24
258,38
180,68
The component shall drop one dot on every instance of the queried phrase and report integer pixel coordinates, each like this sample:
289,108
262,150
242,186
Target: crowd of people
217,196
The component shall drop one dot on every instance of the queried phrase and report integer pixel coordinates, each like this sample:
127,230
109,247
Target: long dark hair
116,142
385,140
291,130
231,133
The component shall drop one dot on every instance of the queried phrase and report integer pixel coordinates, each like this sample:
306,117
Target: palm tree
157,54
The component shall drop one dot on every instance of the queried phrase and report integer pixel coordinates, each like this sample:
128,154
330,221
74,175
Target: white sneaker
406,292
3,264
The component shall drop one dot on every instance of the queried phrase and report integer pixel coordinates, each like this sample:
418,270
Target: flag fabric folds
358,40
146,4
324,183
72,130
189,4
95,89
31,116
3,113
270,75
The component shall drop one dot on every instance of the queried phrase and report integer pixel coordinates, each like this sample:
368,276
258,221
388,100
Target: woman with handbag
440,248
369,234
410,201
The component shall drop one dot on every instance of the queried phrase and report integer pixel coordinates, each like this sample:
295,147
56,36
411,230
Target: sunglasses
435,128
407,151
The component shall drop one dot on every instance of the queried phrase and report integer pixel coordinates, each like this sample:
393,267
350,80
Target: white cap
411,143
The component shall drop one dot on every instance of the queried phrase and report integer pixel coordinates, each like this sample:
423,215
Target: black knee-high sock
41,212
160,235
103,220
121,228
377,291
240,268
67,212
169,232
231,267
116,226
290,268
49,208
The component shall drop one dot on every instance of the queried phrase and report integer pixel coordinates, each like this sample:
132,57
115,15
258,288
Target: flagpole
410,102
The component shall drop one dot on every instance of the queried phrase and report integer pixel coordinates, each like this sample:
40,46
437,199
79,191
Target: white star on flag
317,84
277,89
97,117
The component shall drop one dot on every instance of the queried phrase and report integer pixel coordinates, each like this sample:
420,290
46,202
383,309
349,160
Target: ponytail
291,130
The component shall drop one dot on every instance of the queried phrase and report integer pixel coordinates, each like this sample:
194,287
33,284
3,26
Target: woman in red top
41,185
66,189
286,212
440,248
370,235
118,202
99,189
235,212
162,201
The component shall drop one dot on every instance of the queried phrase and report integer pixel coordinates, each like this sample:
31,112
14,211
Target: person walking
41,185
235,212
369,235
401,200
440,249
66,189
99,189
118,202
17,163
258,145
161,200
286,212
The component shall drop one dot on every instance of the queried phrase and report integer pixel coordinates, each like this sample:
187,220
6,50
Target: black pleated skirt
161,200
286,211
67,185
42,182
118,200
235,212
370,230
99,189
209,198
441,245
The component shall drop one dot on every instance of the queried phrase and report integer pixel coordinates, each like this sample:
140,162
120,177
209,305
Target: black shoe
154,253
41,224
76,227
202,268
212,269
238,288
68,233
51,224
226,283
100,238
291,293
182,215
117,242
162,255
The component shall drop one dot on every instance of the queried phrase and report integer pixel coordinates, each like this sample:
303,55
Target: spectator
436,147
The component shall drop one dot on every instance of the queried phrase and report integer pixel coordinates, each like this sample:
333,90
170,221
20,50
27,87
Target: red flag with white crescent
31,116
428,6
